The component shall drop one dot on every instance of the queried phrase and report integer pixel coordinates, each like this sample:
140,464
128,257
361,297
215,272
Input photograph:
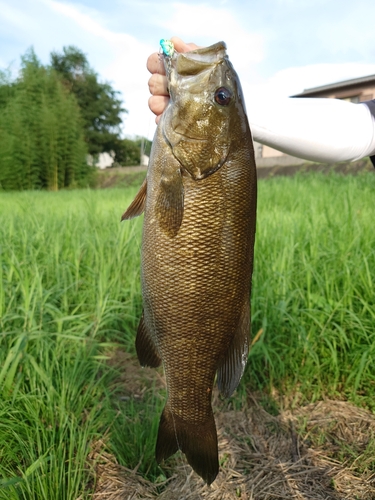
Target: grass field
70,300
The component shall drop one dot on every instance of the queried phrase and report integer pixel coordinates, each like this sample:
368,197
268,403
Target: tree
129,151
41,133
99,103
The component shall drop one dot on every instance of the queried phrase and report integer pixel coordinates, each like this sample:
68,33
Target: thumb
181,46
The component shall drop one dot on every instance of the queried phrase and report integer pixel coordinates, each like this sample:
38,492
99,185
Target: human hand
158,81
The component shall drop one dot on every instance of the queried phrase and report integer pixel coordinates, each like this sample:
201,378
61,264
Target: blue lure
167,47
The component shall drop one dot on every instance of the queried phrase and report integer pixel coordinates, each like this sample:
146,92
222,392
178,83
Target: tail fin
197,441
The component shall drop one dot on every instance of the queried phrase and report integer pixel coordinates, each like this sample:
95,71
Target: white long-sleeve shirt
326,130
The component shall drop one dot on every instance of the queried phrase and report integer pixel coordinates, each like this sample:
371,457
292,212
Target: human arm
326,130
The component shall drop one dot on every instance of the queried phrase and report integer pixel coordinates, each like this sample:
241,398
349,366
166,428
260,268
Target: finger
155,64
158,85
181,46
158,103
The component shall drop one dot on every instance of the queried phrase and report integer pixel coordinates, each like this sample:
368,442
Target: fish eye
223,96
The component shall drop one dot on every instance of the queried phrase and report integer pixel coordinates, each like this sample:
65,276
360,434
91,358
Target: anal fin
147,351
137,206
170,202
231,370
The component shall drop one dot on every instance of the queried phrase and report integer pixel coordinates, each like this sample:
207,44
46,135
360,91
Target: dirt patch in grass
121,177
133,379
320,451
344,168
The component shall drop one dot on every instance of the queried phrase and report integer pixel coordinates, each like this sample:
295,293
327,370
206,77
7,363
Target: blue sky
278,47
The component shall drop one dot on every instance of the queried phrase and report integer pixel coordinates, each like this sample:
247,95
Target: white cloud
124,67
89,20
15,16
292,81
204,24
351,32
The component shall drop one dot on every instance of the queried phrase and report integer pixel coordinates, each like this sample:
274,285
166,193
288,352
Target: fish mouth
209,54
198,60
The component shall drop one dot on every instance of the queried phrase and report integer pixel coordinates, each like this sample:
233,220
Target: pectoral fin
169,207
231,370
137,206
147,351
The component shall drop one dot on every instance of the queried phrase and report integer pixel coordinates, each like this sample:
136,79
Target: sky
278,47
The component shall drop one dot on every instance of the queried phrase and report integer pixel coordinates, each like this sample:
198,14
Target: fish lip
196,61
209,54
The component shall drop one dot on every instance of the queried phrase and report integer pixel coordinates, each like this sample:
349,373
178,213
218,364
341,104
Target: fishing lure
167,47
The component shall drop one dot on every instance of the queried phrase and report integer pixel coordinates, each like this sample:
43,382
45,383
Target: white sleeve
315,129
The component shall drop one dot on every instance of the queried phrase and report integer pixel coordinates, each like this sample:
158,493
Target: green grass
69,292
70,296
313,287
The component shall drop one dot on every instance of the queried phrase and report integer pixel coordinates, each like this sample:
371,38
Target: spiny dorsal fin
170,202
231,370
147,351
137,206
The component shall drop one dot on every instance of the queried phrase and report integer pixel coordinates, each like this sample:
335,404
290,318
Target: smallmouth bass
199,203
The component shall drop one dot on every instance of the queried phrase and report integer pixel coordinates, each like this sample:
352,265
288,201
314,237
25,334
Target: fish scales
196,268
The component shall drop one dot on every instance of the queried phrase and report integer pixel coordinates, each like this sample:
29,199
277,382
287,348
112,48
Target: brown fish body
197,253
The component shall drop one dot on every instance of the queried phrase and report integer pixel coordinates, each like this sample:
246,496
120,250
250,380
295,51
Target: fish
199,204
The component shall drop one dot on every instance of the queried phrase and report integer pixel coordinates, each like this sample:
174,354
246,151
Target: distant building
102,160
354,90
144,160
